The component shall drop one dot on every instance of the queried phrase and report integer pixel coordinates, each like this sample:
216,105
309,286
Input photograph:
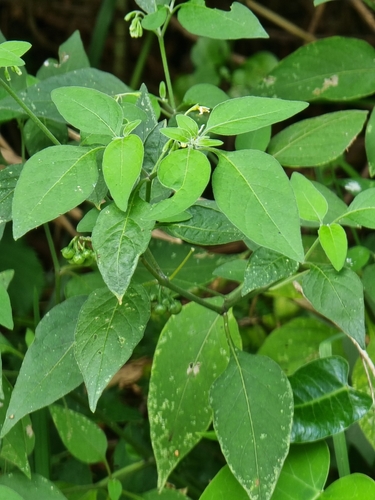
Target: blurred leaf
362,209
11,51
233,270
205,94
223,486
6,318
370,142
353,487
36,488
8,179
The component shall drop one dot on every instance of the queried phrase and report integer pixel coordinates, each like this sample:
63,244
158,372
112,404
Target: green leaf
122,164
334,68
252,190
207,226
233,270
82,437
256,139
35,138
339,297
311,203
243,114
240,22
155,20
362,209
266,267
83,284
223,486
52,182
166,494
89,110
316,141
370,142
8,180
179,386
11,52
353,487
49,370
19,442
9,494
357,257
304,472
253,409
106,335
36,488
6,318
114,489
187,172
291,349
333,239
118,240
205,94
324,404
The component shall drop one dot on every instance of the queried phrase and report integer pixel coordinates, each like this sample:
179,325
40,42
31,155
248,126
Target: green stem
141,61
56,264
30,114
166,72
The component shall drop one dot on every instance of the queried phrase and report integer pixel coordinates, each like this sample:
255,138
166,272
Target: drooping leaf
361,211
316,141
334,68
49,370
36,488
253,191
253,409
122,164
207,226
311,203
324,404
333,239
8,180
52,182
238,23
11,52
223,486
81,436
88,110
266,267
353,487
243,114
339,297
304,472
297,342
179,386
106,335
370,142
118,240
187,172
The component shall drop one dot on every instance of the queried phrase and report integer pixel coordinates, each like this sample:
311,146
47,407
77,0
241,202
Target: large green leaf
49,370
240,22
353,487
339,297
11,51
253,409
81,436
36,488
265,267
311,203
361,211
88,110
336,68
243,114
179,386
9,494
8,180
253,191
316,141
52,182
324,404
304,473
207,226
333,239
106,335
118,240
224,486
297,342
186,171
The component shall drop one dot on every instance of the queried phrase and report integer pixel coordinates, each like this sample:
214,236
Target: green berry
160,309
175,307
68,253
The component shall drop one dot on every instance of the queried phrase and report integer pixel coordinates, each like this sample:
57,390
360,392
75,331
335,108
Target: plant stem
166,72
141,61
56,264
30,114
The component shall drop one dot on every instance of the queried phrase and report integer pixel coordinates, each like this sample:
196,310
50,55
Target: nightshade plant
141,162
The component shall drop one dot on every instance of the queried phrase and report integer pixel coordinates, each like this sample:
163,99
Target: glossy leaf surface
339,297
255,446
353,487
106,335
252,189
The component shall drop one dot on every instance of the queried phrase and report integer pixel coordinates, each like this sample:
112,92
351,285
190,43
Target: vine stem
29,113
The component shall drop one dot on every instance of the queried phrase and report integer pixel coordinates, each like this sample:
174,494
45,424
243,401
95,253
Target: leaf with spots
252,405
179,386
106,335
